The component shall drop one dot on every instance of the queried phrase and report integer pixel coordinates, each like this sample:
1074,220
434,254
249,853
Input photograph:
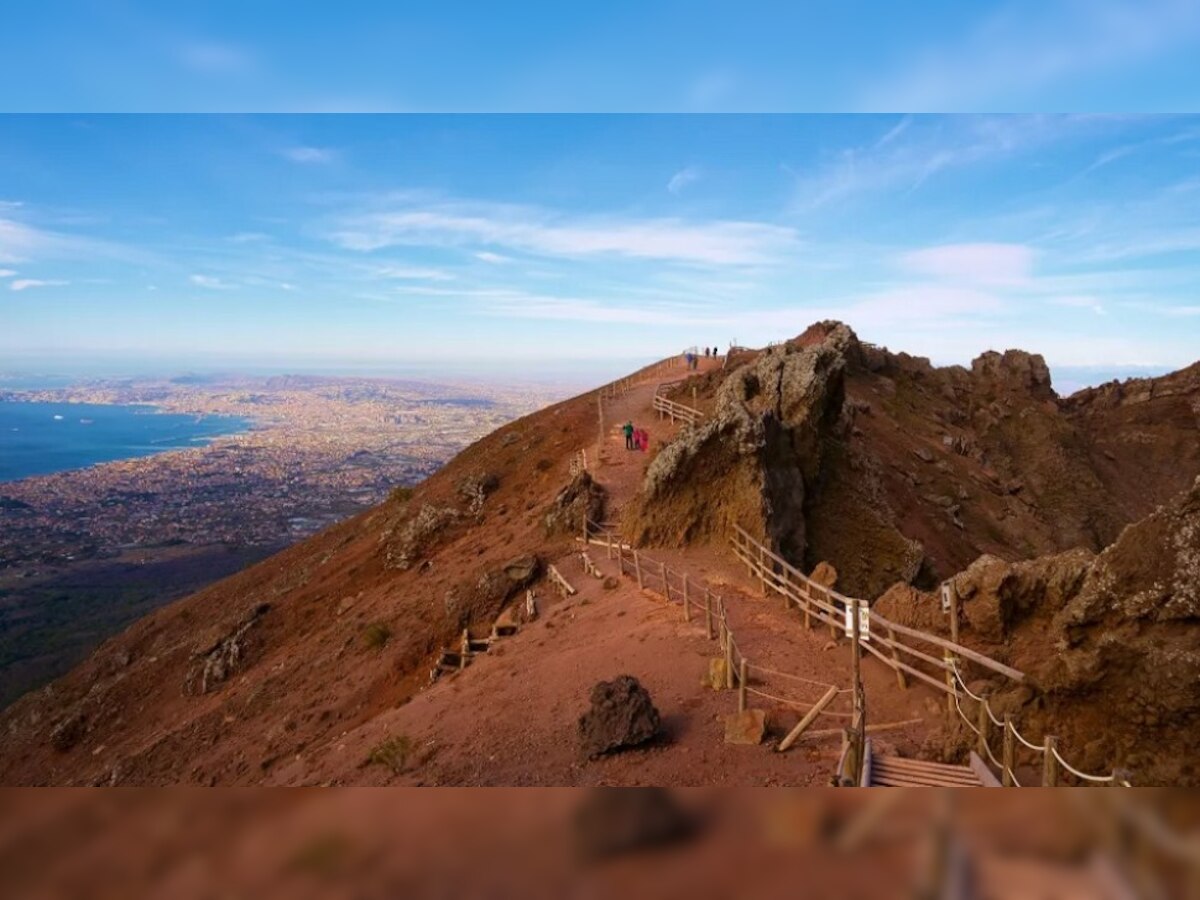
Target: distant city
317,449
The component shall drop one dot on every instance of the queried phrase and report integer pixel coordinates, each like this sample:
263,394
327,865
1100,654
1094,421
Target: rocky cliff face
1109,641
891,468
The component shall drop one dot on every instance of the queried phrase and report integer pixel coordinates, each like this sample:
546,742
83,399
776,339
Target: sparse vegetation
376,635
393,753
400,494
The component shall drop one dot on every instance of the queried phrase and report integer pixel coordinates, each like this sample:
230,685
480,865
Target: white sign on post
946,597
864,619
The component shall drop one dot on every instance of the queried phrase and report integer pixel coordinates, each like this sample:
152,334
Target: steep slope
892,469
217,687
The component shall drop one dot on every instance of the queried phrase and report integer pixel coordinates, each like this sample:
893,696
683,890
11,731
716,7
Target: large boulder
621,715
581,495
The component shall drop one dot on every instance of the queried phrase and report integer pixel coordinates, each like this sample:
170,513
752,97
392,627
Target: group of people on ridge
693,359
635,438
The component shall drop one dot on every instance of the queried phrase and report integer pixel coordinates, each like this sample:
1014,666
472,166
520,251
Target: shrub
400,494
376,635
393,753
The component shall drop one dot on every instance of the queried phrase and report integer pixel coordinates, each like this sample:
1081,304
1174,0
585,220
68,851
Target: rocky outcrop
621,716
217,659
756,459
415,536
581,495
1109,640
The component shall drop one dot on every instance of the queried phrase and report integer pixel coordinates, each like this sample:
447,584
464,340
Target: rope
767,671
796,704
1107,779
1034,747
963,715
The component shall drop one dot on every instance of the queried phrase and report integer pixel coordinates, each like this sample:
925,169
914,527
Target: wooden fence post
900,677
856,650
609,545
662,570
950,697
708,614
982,722
762,572
637,568
728,659
687,608
742,685
833,629
953,613
1050,763
1009,751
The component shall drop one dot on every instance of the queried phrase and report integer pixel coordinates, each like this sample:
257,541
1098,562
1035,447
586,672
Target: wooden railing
882,640
666,407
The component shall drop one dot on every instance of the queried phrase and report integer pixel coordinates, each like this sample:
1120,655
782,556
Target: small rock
747,727
923,454
716,674
829,645
611,583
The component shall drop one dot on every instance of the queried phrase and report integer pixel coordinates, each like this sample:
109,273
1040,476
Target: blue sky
534,241
617,56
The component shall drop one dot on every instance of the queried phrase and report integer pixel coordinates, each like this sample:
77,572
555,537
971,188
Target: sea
42,438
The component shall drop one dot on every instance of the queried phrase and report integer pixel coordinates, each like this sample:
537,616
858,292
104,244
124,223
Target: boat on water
58,418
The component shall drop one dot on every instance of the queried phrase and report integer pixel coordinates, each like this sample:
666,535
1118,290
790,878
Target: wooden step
895,771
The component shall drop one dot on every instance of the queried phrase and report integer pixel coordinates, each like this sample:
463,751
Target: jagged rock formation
891,469
581,495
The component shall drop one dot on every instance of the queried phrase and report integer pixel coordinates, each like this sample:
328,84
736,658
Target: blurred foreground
630,842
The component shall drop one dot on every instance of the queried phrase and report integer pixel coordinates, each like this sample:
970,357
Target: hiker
628,429
643,441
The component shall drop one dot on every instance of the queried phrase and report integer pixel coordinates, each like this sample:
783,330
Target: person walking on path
627,428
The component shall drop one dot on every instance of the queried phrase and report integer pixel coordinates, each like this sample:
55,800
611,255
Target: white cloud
985,264
310,155
682,178
7,273
210,283
494,258
536,231
413,273
23,284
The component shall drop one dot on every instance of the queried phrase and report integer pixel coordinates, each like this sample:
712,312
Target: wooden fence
698,602
666,407
910,652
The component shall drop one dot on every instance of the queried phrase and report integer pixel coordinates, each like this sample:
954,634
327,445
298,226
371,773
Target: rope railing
677,587
1048,747
827,606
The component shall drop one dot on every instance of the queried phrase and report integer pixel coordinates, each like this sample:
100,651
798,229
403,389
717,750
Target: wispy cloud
310,155
545,233
211,283
1023,48
684,177
413,273
7,273
24,284
214,58
495,259
986,264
